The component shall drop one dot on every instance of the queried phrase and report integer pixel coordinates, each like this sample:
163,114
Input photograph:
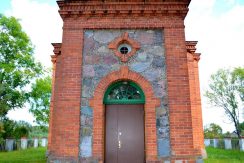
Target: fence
23,143
226,143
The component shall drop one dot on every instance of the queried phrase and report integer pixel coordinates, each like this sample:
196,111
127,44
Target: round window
124,48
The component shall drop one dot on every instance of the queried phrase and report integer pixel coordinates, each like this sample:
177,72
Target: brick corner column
180,120
65,113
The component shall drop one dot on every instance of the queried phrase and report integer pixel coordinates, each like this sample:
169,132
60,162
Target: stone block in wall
86,132
86,146
163,147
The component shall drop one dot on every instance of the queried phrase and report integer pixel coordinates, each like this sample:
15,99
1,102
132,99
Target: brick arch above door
151,102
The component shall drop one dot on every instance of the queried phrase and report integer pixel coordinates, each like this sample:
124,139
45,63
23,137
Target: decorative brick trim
124,39
191,48
56,51
196,56
99,111
136,8
57,48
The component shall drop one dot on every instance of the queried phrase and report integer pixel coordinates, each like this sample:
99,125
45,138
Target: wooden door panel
111,135
130,125
124,124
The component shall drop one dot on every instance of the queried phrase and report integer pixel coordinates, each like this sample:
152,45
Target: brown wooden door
124,134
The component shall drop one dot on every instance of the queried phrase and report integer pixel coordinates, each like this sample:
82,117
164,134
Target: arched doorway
124,131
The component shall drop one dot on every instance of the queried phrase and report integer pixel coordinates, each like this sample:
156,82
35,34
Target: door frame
114,95
151,103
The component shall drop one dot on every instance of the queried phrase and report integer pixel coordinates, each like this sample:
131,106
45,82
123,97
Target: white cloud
221,44
21,114
41,22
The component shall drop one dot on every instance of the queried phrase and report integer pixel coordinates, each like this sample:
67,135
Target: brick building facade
117,55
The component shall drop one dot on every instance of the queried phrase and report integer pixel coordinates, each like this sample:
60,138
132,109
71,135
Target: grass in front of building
37,155
32,155
224,156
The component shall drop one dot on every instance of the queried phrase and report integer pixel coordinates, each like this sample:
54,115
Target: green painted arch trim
126,93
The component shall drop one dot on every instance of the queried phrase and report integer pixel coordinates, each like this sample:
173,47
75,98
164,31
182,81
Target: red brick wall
181,131
195,102
65,117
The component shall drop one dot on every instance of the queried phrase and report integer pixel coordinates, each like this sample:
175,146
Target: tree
226,92
238,75
40,100
13,129
17,65
39,131
242,128
213,131
1,133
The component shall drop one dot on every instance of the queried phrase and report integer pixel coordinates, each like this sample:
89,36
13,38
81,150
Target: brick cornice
57,48
196,56
56,51
102,8
191,48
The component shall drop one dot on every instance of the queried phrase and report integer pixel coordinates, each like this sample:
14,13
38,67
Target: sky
217,25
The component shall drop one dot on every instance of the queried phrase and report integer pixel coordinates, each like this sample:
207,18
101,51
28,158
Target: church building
125,84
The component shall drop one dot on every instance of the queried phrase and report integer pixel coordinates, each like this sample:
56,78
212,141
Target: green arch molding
124,92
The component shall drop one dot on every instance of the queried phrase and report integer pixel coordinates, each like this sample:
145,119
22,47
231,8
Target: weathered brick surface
186,138
65,130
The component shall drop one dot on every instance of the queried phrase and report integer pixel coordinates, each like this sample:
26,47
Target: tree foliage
40,100
238,75
242,128
213,131
17,64
13,129
39,131
226,92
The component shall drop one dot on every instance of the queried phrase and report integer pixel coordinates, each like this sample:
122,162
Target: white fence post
44,142
23,142
241,142
215,142
227,143
9,146
207,142
35,142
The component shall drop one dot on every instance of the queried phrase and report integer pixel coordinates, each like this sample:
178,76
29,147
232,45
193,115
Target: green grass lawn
37,155
224,156
32,155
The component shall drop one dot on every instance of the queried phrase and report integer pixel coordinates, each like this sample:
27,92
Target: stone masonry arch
151,102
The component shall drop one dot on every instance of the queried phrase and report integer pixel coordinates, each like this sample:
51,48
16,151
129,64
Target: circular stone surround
124,47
